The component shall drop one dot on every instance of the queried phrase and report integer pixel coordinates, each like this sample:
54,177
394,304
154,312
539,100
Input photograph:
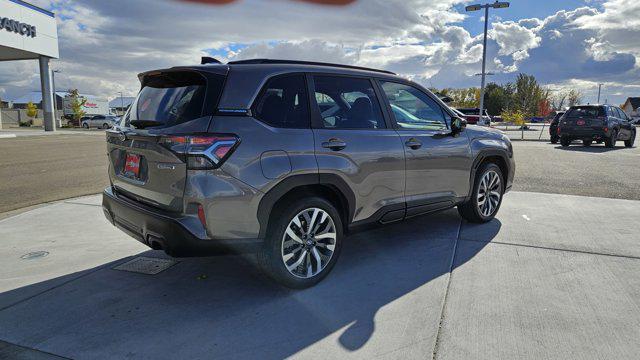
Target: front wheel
487,194
85,125
303,243
565,141
629,143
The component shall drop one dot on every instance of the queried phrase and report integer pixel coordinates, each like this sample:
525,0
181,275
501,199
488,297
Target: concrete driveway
554,276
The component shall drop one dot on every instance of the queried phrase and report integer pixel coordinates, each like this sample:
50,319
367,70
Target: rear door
354,142
437,164
146,161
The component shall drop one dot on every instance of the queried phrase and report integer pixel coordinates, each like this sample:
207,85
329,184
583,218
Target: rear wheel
586,142
610,142
85,125
106,126
554,139
303,243
632,139
486,197
565,141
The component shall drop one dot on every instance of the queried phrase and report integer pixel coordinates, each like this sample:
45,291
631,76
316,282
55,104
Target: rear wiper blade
141,124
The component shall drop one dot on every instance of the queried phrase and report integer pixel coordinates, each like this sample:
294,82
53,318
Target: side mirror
457,125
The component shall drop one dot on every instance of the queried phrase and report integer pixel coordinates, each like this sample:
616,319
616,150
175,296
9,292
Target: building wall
45,41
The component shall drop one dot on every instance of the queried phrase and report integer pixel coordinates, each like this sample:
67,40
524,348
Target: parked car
472,116
284,158
553,127
596,123
100,121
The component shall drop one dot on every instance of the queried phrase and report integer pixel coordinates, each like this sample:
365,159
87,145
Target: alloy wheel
489,193
308,243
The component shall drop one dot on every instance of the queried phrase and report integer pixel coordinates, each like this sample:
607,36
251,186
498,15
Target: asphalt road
40,169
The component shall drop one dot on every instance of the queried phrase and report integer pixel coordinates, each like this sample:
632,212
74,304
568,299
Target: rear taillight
201,217
558,130
202,152
605,129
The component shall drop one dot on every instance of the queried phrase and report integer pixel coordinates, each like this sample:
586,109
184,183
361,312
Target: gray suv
286,158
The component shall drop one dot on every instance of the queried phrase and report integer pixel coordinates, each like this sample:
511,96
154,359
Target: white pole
47,95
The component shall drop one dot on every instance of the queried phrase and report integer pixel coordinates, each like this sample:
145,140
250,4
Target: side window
412,108
347,103
623,115
283,103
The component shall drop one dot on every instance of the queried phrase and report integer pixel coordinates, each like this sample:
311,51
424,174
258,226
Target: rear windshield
585,112
171,98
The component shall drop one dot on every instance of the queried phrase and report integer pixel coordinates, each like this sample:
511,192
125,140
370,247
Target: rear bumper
161,230
584,133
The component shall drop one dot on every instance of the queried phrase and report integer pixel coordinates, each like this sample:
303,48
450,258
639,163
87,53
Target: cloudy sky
565,44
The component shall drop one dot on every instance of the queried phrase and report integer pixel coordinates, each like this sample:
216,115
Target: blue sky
566,44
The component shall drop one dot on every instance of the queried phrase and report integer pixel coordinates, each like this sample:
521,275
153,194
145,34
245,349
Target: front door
437,164
354,142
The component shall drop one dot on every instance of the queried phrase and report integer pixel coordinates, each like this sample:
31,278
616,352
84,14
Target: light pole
599,88
55,96
121,103
476,7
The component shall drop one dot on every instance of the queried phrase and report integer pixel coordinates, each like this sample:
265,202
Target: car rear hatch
147,149
584,118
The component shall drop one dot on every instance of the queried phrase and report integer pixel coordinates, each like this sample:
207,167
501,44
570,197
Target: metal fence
530,131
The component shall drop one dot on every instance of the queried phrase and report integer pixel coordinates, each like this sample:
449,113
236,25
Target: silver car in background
100,122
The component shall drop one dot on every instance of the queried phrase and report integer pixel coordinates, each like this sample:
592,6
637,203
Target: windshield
585,112
168,99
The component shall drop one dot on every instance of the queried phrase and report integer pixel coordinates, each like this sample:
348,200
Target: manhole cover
34,255
146,265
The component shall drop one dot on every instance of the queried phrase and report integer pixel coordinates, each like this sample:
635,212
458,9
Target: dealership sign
17,27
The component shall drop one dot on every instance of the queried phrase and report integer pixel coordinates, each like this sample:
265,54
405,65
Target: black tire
610,142
565,141
469,210
586,142
629,143
270,257
554,139
85,125
105,126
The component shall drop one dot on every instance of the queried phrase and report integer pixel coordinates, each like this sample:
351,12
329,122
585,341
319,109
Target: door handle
334,144
413,143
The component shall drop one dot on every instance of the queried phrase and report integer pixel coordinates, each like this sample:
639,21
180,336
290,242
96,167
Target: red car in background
472,116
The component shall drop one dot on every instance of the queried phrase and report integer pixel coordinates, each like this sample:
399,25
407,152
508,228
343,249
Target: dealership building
28,32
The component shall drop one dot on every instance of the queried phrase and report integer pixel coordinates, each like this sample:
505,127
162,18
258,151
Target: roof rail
277,61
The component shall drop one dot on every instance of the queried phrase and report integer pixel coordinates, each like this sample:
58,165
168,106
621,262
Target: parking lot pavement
544,280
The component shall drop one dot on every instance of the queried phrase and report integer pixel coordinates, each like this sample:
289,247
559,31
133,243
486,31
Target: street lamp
476,7
599,88
121,103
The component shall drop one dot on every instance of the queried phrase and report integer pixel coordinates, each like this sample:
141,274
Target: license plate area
580,122
132,166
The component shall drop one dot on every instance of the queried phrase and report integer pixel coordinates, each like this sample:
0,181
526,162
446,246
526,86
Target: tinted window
347,103
412,108
172,98
621,114
585,111
284,103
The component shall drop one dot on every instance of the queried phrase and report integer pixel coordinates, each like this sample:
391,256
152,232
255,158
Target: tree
462,98
497,97
77,102
574,97
32,110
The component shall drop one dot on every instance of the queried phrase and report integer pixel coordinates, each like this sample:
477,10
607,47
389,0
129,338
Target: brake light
606,129
202,152
558,130
201,216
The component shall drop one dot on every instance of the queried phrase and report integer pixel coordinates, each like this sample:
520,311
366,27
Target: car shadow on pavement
385,292
596,148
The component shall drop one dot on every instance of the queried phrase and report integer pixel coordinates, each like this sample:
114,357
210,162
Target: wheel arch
328,186
498,157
